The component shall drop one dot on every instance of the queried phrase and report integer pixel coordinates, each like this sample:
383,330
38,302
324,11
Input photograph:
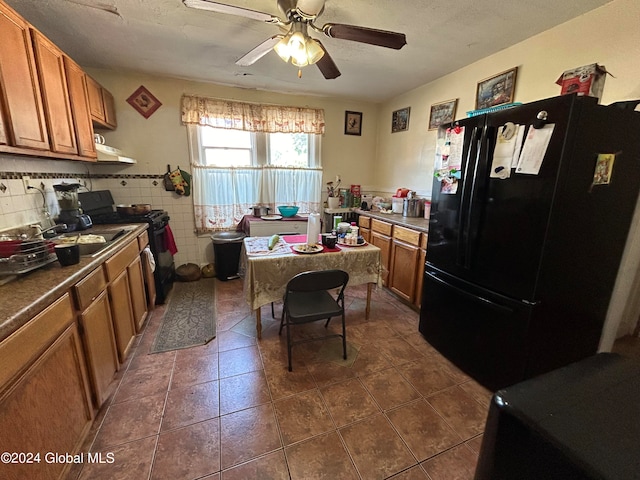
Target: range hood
111,155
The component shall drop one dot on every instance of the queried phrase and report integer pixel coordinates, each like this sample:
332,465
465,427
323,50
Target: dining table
266,271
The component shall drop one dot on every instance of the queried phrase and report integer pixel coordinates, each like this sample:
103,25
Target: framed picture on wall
441,113
352,123
400,120
496,90
143,101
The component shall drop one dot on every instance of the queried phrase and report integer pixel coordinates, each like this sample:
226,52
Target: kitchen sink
87,247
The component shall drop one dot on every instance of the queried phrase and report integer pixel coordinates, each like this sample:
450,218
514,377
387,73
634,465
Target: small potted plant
333,197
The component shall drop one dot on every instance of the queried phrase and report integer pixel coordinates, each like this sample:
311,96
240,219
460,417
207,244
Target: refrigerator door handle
463,241
467,224
482,300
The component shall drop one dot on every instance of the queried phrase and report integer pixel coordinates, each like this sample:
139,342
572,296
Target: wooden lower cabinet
122,313
44,401
405,252
138,297
381,238
96,330
365,228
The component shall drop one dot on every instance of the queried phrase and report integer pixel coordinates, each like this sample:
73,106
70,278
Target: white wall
609,36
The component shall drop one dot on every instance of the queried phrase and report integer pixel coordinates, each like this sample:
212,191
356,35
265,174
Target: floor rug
190,317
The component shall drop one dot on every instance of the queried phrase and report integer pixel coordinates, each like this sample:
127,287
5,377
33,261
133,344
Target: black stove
99,205
155,218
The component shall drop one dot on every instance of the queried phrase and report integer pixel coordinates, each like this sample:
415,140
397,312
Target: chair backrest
318,280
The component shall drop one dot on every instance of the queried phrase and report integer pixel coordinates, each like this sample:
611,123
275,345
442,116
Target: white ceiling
163,37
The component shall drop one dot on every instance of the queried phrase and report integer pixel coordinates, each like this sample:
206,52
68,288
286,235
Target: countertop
416,223
31,293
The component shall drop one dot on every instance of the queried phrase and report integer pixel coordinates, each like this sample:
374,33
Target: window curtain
251,117
222,196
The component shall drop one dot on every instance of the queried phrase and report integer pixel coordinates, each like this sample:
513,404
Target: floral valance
252,117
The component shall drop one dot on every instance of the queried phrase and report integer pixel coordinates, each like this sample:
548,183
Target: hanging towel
147,253
169,241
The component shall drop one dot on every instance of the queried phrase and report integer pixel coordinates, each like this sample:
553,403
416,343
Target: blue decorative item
288,210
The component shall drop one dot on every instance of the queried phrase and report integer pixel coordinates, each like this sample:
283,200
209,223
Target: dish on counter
304,248
271,217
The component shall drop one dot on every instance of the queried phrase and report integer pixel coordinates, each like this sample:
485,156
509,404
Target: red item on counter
402,192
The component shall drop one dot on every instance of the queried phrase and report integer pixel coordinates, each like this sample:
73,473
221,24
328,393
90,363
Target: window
236,148
235,169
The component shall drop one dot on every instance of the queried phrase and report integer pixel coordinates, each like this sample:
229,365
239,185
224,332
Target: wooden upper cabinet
55,96
21,101
101,105
77,84
96,105
109,108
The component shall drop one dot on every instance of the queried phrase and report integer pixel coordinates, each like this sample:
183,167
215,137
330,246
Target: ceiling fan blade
260,51
381,38
327,66
231,10
310,8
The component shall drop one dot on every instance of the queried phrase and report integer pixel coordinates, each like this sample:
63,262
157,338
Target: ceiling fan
294,43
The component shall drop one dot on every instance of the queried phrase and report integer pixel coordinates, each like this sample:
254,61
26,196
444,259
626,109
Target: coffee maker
70,210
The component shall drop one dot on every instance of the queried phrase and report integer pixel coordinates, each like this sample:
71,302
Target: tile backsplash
19,207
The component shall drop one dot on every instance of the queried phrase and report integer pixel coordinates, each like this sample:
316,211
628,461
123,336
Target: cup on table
329,240
68,254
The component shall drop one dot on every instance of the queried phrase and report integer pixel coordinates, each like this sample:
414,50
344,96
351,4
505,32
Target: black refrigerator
520,270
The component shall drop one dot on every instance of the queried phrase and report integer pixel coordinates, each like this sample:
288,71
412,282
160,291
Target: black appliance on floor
581,421
520,271
100,206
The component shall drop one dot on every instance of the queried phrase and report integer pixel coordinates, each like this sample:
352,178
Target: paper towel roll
313,228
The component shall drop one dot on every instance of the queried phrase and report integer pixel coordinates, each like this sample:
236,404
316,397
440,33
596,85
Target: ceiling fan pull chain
299,73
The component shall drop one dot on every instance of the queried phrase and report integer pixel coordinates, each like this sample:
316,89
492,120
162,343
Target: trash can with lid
226,252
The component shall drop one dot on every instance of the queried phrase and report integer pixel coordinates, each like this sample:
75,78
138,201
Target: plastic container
226,251
427,209
397,204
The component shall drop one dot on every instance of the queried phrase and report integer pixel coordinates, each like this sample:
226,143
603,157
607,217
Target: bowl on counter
288,210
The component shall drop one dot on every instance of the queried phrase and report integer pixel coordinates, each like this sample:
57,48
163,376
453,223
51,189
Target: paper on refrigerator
505,152
534,149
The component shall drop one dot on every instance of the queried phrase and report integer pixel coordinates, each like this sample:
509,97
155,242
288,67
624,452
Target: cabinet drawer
423,241
19,350
268,228
364,221
89,288
406,235
381,227
143,240
120,260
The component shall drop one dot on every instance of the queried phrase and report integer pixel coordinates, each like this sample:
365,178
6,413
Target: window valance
252,117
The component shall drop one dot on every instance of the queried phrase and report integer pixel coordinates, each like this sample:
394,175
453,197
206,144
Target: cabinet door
77,85
402,278
122,314
109,108
4,136
24,116
100,347
55,96
366,234
383,242
96,107
138,297
46,408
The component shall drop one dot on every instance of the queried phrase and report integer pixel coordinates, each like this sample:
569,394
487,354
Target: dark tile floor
231,410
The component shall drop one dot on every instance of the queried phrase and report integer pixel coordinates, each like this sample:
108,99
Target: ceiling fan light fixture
314,51
282,48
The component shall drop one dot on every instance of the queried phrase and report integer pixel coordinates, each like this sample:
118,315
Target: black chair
307,299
